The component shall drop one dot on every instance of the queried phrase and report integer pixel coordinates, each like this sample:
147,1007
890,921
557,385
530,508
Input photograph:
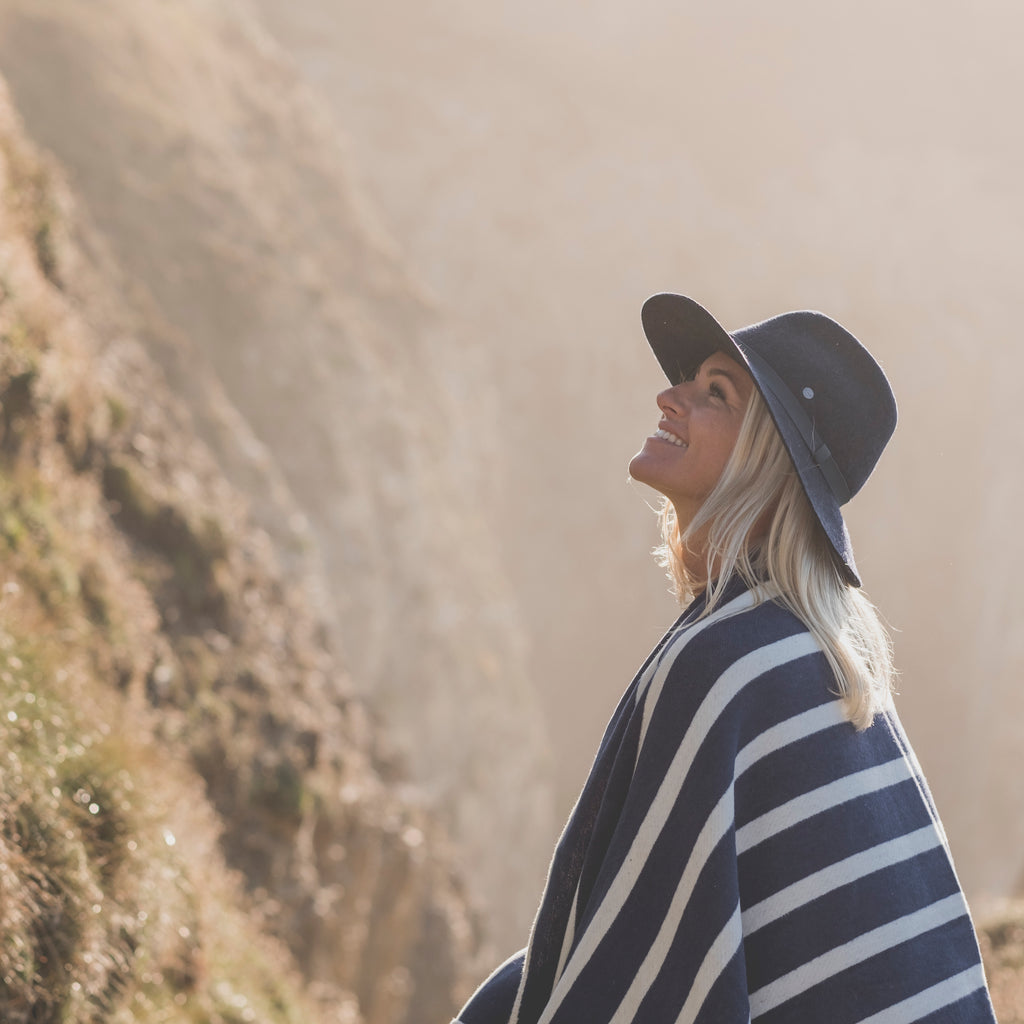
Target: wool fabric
740,852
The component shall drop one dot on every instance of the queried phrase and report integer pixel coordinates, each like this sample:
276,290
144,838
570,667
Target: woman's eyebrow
715,371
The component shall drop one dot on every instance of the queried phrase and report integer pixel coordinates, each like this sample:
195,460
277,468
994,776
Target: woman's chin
637,467
646,467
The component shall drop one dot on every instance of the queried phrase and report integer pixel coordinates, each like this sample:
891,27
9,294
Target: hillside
193,821
319,373
1002,945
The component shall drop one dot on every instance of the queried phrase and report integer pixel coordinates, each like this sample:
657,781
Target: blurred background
391,258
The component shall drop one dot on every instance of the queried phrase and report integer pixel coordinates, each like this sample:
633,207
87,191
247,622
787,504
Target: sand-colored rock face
193,819
320,375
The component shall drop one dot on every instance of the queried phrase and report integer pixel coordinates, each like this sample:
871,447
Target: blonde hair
791,562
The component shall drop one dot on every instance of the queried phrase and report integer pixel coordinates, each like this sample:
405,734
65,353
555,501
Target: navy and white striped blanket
741,853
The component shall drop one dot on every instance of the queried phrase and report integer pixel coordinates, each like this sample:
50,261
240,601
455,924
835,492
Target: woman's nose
671,400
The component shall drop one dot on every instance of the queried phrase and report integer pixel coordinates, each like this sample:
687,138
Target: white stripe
722,950
841,791
720,695
570,931
839,874
865,946
947,992
514,1015
650,690
715,827
799,727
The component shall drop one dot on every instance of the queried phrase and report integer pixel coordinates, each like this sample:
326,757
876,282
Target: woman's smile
700,421
666,435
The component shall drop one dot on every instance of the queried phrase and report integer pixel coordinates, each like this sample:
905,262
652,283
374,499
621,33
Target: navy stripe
970,1008
800,767
813,844
842,915
857,993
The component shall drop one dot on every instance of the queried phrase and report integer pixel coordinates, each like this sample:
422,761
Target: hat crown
833,379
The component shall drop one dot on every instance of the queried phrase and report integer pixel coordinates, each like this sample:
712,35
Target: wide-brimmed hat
830,400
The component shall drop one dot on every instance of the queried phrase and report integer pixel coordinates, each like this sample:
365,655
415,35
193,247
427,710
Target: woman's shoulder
732,674
744,621
748,639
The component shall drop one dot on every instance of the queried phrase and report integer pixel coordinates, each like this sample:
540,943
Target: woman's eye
716,392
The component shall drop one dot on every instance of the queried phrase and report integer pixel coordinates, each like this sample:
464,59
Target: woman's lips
667,435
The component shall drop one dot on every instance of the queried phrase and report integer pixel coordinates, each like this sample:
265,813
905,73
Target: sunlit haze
527,174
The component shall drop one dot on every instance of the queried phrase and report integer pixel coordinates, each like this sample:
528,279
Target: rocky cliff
194,823
316,369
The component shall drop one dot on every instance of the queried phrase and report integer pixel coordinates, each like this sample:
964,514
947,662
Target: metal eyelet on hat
808,392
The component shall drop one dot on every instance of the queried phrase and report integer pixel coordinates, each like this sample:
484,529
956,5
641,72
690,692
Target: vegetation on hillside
193,826
114,902
325,381
1002,945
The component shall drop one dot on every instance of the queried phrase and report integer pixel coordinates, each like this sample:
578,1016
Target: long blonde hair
792,563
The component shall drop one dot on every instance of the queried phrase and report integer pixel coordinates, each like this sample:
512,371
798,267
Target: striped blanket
740,852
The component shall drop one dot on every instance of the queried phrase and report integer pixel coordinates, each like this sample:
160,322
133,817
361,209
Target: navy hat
830,400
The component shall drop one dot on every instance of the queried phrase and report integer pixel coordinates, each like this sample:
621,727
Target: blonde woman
755,841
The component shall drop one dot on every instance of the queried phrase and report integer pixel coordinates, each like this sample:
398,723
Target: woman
755,840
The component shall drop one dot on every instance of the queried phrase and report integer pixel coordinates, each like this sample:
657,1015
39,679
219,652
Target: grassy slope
114,901
191,825
1002,944
225,193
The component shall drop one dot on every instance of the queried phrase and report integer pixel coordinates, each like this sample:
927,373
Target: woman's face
700,421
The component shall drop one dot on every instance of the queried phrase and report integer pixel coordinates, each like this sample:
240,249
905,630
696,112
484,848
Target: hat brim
682,334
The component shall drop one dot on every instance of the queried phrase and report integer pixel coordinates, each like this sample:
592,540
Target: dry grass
192,827
1002,945
114,902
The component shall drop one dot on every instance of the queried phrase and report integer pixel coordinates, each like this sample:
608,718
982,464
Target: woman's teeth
666,436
